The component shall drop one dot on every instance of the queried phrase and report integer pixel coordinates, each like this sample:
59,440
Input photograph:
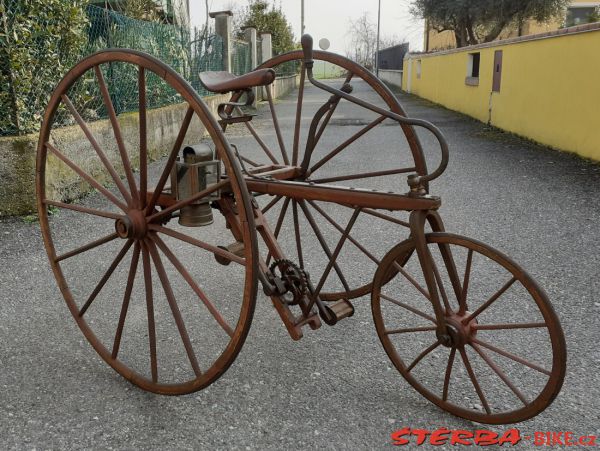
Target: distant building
175,12
393,57
579,12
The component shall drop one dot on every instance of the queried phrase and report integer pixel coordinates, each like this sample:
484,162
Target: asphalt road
334,389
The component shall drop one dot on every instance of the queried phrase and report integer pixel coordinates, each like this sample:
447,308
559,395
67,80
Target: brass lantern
194,171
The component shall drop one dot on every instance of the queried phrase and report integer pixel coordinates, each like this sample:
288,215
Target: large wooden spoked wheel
335,243
146,292
506,358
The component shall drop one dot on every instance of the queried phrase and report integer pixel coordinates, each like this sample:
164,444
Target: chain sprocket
293,278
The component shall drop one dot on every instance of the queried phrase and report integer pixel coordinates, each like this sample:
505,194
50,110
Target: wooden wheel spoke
363,175
271,204
323,243
258,139
409,308
297,123
88,133
412,281
510,356
346,143
126,298
490,301
94,244
410,330
195,242
500,374
337,251
284,154
422,356
105,277
341,230
386,217
462,305
80,209
189,114
164,280
474,381
297,233
117,132
448,374
507,326
156,217
143,137
88,178
193,285
150,311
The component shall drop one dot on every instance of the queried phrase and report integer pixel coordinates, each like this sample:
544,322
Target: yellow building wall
550,90
446,40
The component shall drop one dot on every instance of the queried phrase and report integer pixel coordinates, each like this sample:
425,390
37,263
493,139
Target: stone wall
392,78
18,154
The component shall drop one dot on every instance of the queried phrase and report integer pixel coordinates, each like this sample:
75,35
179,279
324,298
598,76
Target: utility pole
378,29
302,18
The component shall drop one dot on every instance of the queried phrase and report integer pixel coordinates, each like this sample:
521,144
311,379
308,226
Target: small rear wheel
147,293
506,358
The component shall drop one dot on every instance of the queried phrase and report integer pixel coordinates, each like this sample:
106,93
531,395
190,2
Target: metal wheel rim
556,378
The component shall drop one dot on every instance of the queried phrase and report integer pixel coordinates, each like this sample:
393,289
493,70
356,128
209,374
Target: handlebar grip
307,48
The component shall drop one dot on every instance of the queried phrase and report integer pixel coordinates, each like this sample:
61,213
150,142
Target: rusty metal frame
144,213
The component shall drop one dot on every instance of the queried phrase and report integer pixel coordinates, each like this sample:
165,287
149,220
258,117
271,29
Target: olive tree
477,21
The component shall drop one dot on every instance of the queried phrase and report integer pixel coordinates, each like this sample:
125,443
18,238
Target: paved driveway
334,389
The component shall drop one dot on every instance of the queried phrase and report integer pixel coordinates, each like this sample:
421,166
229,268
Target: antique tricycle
191,232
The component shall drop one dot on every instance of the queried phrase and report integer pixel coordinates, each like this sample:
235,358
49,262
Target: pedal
236,248
338,310
313,321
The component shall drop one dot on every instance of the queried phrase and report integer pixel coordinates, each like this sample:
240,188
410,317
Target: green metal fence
288,68
241,57
40,41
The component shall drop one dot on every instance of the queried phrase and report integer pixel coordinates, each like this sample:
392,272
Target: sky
330,18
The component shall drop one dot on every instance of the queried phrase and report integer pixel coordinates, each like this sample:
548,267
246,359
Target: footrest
236,248
339,310
236,119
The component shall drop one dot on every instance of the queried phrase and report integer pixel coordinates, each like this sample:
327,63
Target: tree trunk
494,32
460,32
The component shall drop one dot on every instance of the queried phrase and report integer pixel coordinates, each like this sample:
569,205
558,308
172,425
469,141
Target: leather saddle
222,81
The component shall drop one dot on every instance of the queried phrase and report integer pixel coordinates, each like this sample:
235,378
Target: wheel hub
132,226
460,333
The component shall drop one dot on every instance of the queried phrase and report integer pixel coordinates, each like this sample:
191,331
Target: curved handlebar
415,181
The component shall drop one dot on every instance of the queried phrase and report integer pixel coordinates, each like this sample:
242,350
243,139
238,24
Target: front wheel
506,358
